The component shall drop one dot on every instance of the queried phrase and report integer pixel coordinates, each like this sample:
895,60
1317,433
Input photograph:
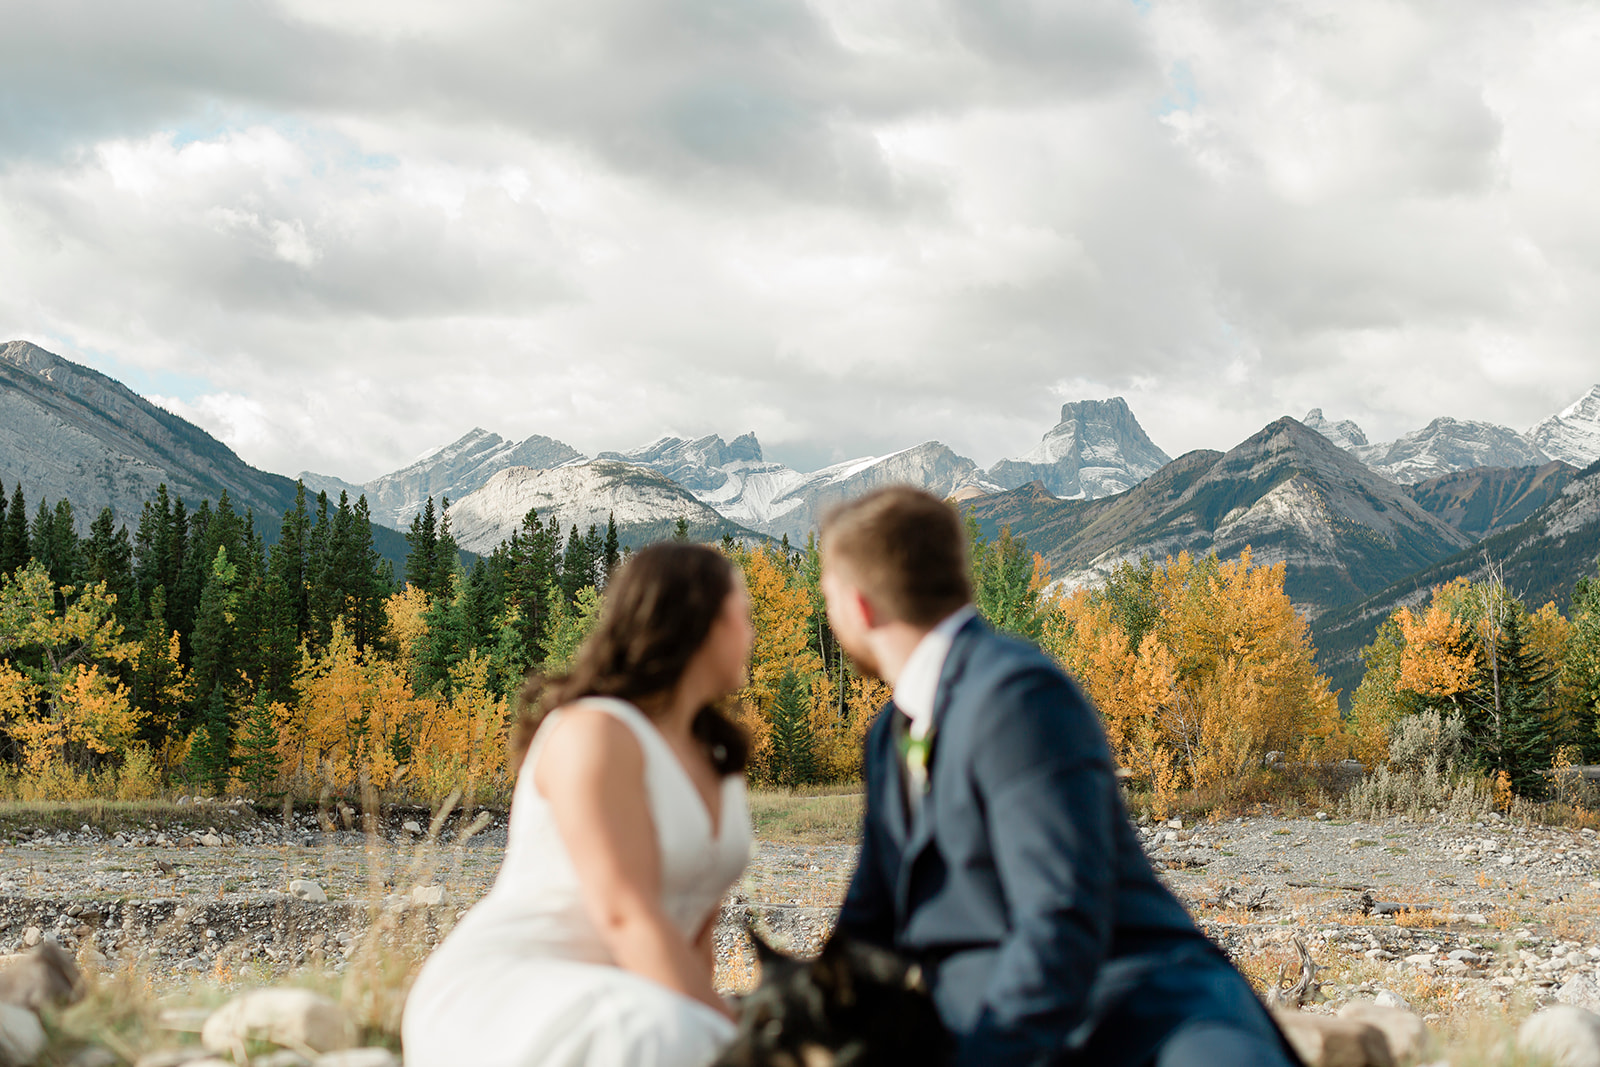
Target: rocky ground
1457,920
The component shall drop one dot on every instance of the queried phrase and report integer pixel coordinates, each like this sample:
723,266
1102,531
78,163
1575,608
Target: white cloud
847,226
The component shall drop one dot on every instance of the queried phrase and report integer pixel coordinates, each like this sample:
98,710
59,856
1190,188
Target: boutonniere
914,753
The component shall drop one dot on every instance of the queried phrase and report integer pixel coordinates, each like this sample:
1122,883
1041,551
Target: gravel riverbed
1445,912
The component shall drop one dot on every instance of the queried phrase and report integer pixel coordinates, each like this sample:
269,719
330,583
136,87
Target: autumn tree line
191,655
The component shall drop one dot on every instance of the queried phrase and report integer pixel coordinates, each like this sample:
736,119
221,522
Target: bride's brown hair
658,611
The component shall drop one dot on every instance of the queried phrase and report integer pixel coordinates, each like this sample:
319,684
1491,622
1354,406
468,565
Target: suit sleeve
868,910
1049,788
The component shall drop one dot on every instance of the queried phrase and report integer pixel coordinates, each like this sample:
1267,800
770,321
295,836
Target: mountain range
1358,525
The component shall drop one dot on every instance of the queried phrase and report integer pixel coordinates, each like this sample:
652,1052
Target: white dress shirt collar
918,682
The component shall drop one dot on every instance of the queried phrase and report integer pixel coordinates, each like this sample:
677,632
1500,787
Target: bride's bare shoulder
583,739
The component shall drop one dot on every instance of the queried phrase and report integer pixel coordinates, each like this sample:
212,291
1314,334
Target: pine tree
278,652
214,640
613,550
680,529
16,550
4,532
422,561
287,562
577,566
791,742
258,761
108,558
1004,591
1507,712
446,553
531,568
54,540
209,761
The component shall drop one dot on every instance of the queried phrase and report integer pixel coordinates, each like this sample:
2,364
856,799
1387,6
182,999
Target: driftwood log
1304,989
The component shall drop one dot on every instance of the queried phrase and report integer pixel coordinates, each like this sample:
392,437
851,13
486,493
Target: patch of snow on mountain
1344,433
1574,434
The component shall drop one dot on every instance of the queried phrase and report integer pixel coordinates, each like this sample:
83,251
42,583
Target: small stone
1175,824
1322,816
357,1057
1466,955
308,891
427,895
411,826
1563,1036
296,1018
21,1035
32,936
210,840
184,802
1388,999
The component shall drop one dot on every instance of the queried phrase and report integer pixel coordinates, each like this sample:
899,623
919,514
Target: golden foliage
1224,675
351,712
461,743
1439,656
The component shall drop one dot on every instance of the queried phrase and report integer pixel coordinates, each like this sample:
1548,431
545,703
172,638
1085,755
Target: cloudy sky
338,234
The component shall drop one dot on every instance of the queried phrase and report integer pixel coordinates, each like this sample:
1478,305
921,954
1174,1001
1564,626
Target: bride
628,824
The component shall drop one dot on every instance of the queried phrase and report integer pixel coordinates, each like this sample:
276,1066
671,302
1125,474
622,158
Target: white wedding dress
524,980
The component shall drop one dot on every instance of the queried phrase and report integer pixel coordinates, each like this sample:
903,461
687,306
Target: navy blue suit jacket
1021,884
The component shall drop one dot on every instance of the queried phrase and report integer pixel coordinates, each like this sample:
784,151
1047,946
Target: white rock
32,936
1581,991
295,1018
427,895
1325,1041
21,1035
411,826
1175,824
210,840
1387,999
357,1057
1562,1036
308,891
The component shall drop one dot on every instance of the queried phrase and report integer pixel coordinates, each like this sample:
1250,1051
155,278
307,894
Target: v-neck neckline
714,819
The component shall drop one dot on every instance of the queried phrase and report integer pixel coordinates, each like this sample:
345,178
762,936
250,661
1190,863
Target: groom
995,848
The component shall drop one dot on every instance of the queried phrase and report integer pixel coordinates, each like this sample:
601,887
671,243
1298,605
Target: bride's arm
591,770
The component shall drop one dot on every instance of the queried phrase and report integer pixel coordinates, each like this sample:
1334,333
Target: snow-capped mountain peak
1574,434
1097,449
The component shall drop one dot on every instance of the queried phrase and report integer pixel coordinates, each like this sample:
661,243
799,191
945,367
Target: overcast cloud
336,235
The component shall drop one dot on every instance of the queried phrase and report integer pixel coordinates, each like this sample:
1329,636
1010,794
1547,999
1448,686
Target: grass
810,815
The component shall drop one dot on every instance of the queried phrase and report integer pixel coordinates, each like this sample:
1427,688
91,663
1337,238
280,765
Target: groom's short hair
905,549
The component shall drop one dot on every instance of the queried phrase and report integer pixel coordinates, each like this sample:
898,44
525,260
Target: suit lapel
920,834
893,794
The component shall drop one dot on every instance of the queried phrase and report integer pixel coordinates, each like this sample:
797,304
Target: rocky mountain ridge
646,505
1540,559
71,433
1572,435
453,471
1097,449
1287,492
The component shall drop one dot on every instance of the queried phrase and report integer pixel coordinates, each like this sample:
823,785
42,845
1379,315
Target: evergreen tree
54,540
577,566
258,761
422,565
287,563
14,548
193,568
792,744
1507,712
216,648
108,558
680,529
594,552
1580,668
1004,589
157,546
529,561
278,643
4,532
209,761
161,692
612,557
446,553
